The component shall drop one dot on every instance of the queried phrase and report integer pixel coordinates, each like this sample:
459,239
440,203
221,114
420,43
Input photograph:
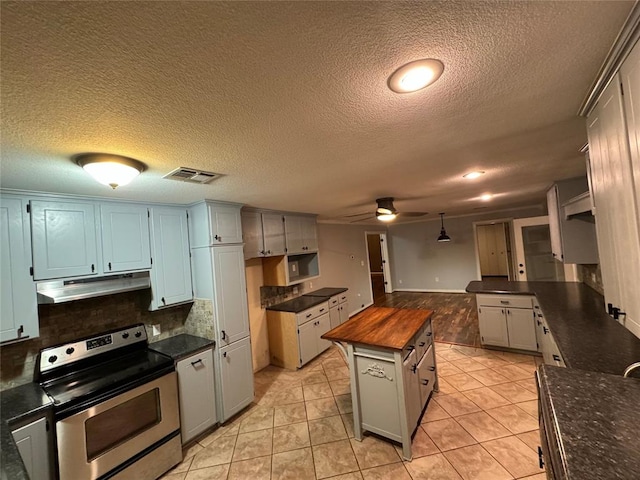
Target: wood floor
455,318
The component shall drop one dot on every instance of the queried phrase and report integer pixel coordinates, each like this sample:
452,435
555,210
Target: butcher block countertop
384,327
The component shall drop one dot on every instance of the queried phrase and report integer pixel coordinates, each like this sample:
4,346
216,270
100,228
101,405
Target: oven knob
125,335
138,334
70,350
52,358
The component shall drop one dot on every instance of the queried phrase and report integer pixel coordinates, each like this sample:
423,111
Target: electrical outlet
400,282
362,263
156,330
593,278
437,279
310,284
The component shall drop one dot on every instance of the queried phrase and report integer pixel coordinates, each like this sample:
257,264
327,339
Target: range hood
59,291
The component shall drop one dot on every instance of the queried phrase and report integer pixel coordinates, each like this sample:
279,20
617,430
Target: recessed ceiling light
415,75
486,197
472,175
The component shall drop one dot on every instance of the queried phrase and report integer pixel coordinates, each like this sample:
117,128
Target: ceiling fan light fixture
415,75
108,169
443,233
385,217
486,197
473,175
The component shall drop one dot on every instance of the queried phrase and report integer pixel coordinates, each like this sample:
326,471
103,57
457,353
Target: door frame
386,267
570,270
510,262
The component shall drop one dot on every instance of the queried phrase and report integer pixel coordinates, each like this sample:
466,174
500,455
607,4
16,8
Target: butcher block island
392,368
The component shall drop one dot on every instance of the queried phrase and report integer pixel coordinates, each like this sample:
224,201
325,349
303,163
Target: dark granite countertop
596,421
326,292
181,346
18,404
298,304
588,338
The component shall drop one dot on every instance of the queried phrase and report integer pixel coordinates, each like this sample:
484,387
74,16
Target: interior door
386,270
533,251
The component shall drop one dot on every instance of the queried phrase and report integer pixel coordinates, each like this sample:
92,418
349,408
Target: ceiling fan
385,212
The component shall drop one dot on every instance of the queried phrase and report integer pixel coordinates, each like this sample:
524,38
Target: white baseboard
633,327
351,314
421,290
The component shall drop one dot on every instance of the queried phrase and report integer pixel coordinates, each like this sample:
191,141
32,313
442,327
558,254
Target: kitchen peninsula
392,370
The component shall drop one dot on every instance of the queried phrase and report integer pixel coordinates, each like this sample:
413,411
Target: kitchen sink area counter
181,346
297,305
18,404
588,338
598,432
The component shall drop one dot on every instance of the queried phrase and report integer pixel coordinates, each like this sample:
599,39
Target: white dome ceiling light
112,170
416,75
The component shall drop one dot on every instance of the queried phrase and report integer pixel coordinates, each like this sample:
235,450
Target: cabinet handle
557,358
432,369
539,322
109,265
196,362
322,309
422,344
429,334
545,330
425,382
502,310
309,315
269,252
93,268
225,355
162,300
414,367
504,302
224,334
540,457
218,238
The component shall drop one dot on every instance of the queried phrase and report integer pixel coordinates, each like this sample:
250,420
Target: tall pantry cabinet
614,149
218,272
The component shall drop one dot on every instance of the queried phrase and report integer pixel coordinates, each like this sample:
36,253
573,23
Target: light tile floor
481,425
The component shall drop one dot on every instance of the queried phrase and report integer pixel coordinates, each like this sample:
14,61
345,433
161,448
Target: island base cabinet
493,328
197,394
236,378
522,330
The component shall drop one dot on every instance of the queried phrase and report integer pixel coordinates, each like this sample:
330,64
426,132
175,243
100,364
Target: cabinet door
294,234
236,372
197,394
18,307
554,223
252,234
344,312
308,342
171,272
309,234
411,391
493,326
230,294
63,239
334,314
125,238
226,226
323,325
34,447
273,234
426,376
521,328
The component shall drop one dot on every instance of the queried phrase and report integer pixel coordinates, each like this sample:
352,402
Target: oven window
122,422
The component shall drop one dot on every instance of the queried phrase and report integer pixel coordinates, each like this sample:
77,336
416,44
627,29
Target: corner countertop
18,404
297,305
595,421
588,338
391,328
326,292
181,346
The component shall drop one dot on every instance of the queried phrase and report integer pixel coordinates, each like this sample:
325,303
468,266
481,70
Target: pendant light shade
443,233
112,170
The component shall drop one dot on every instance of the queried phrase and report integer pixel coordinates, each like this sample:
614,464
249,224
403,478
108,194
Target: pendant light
112,170
443,233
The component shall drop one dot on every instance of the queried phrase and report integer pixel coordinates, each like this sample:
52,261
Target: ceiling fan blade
362,219
357,215
413,214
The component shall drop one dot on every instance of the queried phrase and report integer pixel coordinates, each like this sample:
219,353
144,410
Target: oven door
97,440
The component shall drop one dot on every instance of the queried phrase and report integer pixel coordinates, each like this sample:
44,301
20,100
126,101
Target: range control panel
59,355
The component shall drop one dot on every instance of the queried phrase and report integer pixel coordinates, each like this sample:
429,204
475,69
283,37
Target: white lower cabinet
197,394
34,444
412,394
507,321
236,378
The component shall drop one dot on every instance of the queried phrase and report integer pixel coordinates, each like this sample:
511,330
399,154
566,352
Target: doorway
494,250
379,271
533,251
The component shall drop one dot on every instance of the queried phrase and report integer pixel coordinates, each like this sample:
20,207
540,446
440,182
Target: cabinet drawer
312,313
333,301
424,339
517,301
343,297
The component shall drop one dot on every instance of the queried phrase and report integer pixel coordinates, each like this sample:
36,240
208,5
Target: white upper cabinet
64,239
18,307
171,272
301,235
125,237
263,234
630,77
214,224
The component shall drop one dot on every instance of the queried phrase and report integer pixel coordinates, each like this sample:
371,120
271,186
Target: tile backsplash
591,276
66,322
274,295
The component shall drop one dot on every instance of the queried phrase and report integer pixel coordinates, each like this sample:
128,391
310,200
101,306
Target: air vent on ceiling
191,175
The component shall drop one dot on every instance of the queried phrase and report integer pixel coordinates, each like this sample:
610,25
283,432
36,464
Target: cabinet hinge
28,208
31,271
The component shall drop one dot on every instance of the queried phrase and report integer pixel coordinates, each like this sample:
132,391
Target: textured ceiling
289,100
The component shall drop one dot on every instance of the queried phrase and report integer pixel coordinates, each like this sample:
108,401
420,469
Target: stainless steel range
115,406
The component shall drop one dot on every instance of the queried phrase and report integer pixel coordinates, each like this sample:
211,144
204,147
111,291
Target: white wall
417,258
